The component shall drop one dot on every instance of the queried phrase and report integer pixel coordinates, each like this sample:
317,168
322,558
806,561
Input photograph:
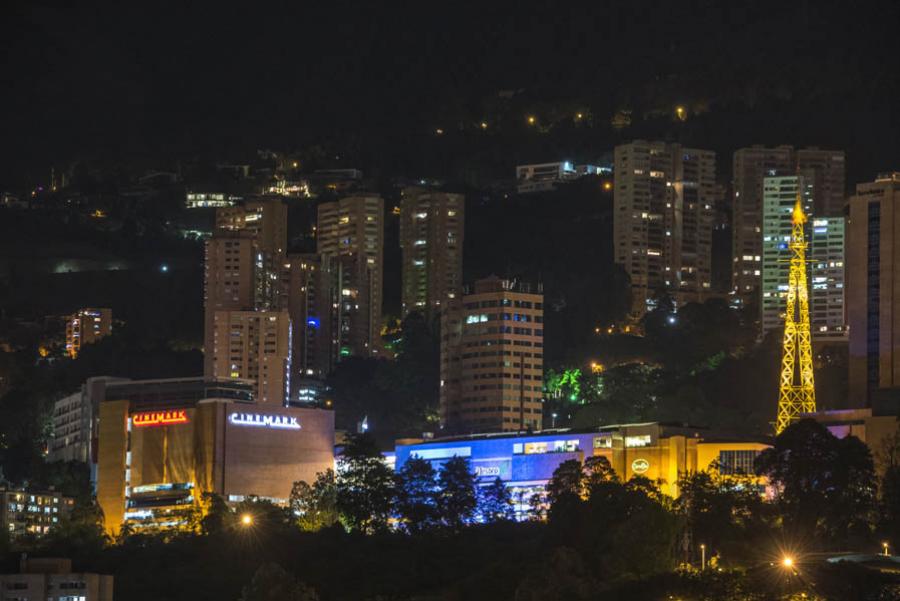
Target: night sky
151,81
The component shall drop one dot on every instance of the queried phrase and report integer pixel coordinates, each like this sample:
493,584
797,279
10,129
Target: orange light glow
160,418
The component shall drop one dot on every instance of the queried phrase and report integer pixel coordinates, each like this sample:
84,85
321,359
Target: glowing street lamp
246,520
484,125
703,557
885,547
787,562
531,120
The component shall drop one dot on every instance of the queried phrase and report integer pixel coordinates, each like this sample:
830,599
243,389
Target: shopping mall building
162,444
526,462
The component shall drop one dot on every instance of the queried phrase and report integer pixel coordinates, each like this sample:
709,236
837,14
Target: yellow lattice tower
797,393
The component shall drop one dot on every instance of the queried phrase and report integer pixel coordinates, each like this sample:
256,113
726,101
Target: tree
216,514
567,482
417,495
826,486
495,503
725,513
365,486
272,583
457,498
315,507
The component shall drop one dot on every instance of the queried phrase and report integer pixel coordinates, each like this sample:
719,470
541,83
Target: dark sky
153,79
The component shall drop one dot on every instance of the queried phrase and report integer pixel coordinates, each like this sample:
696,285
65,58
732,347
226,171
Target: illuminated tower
796,397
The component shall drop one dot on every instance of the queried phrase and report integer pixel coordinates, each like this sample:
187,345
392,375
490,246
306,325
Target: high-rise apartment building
779,198
873,276
350,234
265,220
825,169
247,329
492,359
254,345
312,299
825,257
828,318
86,326
431,240
664,207
229,270
750,168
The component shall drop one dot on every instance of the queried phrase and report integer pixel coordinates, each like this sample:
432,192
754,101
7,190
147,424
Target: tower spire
797,393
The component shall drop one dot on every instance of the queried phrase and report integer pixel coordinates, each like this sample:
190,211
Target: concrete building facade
254,345
431,241
52,579
664,208
492,359
75,421
873,278
350,232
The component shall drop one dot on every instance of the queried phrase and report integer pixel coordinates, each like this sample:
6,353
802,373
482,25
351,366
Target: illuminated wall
153,470
656,452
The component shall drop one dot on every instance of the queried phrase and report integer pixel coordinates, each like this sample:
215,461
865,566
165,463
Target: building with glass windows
873,274
526,462
24,511
825,258
492,358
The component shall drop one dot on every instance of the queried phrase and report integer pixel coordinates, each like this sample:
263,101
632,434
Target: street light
246,520
885,546
703,557
787,562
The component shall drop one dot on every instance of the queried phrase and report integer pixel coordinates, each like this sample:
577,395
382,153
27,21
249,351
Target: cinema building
526,462
162,444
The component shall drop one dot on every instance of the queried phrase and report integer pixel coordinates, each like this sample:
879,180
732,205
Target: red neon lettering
160,418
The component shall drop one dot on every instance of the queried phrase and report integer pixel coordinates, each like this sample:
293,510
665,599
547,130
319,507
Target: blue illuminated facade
660,452
525,463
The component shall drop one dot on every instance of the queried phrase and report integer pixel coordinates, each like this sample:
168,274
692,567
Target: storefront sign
640,466
283,422
160,418
487,471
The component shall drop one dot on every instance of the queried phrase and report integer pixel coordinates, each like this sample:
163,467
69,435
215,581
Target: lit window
637,441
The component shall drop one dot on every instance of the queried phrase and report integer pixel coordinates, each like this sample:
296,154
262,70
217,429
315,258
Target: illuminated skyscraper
492,359
824,258
664,208
431,238
825,172
86,326
873,276
350,235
